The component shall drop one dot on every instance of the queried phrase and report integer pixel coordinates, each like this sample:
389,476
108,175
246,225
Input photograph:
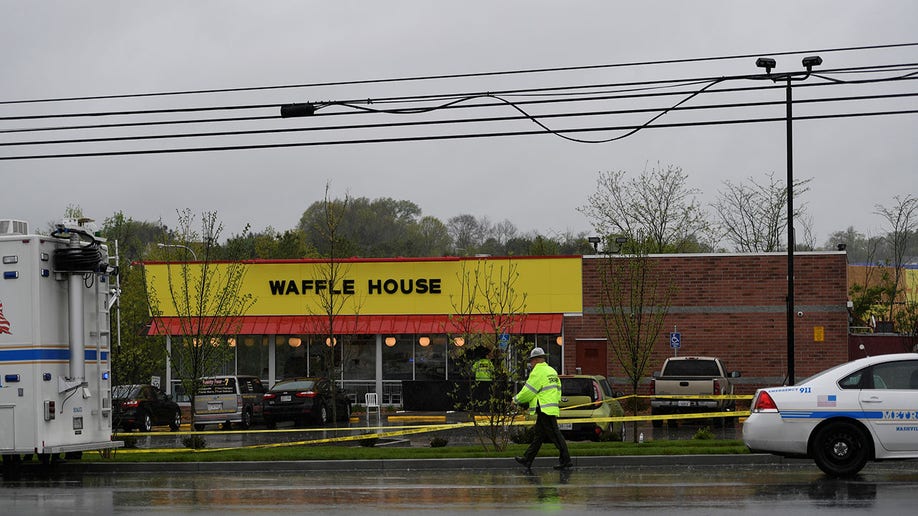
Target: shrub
523,435
703,433
195,442
438,442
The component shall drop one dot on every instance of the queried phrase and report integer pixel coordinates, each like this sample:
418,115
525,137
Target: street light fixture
185,247
768,64
595,241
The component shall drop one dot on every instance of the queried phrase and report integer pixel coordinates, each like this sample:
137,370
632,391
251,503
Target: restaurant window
429,359
252,355
290,356
360,358
397,357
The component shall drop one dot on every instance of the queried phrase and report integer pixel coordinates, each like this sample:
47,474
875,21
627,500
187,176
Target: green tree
269,244
429,237
135,356
373,228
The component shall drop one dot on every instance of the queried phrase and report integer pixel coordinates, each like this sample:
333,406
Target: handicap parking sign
675,340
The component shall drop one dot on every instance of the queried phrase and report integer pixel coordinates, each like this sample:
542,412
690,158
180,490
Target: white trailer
55,343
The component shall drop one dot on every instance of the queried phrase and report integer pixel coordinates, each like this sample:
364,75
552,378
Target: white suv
229,400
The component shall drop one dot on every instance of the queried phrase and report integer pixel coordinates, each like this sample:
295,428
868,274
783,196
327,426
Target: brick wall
733,307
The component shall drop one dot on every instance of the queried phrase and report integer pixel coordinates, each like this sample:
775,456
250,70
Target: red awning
357,325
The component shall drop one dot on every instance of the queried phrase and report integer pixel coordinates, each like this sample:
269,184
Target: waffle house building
402,320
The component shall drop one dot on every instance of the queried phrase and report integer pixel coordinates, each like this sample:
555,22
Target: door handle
872,400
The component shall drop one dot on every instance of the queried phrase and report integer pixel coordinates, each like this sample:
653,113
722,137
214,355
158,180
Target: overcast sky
54,49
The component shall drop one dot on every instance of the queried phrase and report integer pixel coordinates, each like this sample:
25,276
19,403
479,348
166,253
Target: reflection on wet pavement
886,488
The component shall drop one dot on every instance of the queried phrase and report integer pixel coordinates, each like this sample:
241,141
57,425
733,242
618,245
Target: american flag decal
4,323
826,401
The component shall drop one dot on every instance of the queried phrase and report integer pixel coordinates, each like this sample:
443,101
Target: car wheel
322,415
176,422
621,432
347,412
841,449
246,422
146,422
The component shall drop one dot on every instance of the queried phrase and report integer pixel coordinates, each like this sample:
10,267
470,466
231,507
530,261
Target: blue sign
504,340
675,340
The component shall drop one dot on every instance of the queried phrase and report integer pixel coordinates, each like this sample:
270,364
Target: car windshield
819,374
295,385
123,392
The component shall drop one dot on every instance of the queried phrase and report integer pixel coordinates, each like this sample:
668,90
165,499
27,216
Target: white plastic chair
372,403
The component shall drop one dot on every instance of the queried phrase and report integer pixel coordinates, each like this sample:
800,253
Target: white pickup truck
691,376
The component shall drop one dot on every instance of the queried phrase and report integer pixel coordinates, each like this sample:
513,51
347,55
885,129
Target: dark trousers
546,429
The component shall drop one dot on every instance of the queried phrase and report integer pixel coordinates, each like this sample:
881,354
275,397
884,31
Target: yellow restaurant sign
393,287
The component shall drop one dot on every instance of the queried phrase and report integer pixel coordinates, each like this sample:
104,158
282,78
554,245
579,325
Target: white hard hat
536,353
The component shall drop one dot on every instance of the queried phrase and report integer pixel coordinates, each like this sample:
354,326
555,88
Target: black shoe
566,465
522,461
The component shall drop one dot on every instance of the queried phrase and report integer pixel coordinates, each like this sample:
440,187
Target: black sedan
303,400
144,406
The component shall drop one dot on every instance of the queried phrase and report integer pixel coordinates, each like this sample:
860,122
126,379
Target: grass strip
357,452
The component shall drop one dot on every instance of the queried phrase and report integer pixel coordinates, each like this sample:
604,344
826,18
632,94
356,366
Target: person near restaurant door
542,392
483,369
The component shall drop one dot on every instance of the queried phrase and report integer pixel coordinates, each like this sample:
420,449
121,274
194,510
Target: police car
843,417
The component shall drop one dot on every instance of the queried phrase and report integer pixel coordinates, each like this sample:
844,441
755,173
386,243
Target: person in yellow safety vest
542,392
483,369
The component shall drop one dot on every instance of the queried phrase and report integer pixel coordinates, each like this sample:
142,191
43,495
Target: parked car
585,396
842,417
229,400
303,400
143,407
676,389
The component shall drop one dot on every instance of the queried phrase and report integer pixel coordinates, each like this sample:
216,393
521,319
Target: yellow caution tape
378,433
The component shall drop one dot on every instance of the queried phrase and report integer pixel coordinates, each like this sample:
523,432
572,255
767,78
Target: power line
553,99
450,136
516,105
452,98
461,75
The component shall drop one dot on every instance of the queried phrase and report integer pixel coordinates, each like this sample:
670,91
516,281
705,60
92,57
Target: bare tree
332,300
902,219
635,296
204,295
467,232
488,306
658,205
753,216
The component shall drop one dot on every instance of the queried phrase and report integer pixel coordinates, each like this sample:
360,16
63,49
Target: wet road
886,488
